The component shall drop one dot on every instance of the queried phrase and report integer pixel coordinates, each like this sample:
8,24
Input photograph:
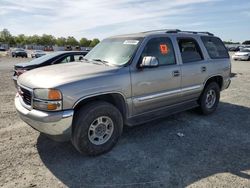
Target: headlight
47,99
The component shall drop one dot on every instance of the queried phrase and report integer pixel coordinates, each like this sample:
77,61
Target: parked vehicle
243,54
2,49
124,80
37,53
49,59
234,49
19,52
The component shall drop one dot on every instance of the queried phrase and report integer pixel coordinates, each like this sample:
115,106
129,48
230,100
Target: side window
215,47
190,50
162,49
66,59
78,57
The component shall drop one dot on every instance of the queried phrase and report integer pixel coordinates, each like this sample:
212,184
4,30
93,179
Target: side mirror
149,62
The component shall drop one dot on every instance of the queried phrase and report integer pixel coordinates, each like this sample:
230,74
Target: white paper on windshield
131,42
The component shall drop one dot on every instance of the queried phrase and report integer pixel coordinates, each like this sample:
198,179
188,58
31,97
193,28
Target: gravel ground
212,152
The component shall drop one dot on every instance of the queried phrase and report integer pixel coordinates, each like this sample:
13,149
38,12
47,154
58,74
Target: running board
160,113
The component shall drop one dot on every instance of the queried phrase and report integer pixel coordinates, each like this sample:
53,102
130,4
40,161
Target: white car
37,53
243,54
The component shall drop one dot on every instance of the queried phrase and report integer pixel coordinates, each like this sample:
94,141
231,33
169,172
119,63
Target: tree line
44,40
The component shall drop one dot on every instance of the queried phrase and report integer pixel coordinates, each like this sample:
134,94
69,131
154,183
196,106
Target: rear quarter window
215,47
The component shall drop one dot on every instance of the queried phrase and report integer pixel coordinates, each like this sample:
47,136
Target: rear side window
190,50
162,49
215,47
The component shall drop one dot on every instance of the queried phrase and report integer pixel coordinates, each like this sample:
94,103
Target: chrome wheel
100,130
211,98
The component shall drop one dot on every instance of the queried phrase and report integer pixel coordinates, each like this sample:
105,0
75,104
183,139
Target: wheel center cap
100,130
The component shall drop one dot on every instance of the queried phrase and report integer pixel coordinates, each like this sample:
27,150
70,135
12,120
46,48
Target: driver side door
156,87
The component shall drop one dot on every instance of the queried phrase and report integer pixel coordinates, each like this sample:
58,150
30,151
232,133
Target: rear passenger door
193,67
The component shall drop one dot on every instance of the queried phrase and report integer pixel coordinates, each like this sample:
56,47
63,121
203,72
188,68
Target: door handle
176,73
203,69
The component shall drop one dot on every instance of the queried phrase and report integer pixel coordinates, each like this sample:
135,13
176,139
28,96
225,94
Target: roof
165,31
65,52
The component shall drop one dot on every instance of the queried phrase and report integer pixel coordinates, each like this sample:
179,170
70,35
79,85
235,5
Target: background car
37,53
19,52
49,59
243,54
234,49
2,49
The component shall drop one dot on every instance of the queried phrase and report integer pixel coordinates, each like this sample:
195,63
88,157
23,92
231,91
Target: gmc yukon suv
124,80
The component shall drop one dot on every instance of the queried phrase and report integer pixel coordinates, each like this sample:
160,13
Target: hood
56,75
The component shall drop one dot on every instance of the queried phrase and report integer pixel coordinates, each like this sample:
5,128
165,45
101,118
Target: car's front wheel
209,98
96,128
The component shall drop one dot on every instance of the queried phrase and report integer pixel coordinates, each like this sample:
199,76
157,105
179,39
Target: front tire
209,99
96,128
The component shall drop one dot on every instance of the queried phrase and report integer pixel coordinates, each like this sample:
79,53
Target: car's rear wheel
209,98
96,128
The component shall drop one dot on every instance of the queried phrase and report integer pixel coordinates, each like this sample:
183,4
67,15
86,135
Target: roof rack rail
178,31
192,32
157,30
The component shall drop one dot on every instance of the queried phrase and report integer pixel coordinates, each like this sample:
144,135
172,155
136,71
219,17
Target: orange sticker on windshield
164,49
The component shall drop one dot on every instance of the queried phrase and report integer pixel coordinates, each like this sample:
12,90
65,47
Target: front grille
26,95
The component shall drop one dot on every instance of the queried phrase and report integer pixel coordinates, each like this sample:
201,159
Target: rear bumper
56,125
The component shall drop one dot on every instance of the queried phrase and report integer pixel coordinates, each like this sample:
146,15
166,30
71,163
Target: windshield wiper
102,61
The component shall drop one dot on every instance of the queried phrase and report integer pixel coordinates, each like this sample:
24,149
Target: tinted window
162,49
190,50
215,47
66,59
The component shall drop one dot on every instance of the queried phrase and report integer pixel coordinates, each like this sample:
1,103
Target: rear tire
96,128
209,99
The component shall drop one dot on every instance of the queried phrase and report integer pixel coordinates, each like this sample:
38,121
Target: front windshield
114,51
245,50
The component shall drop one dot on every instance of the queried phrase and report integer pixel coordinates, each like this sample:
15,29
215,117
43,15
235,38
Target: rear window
215,47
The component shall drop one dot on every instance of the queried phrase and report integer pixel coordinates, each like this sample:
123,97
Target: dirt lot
214,151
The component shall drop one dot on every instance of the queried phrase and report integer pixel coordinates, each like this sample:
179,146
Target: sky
228,19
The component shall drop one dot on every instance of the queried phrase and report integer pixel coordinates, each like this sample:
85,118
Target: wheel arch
115,98
215,78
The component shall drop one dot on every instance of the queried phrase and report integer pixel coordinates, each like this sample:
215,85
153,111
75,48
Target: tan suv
124,80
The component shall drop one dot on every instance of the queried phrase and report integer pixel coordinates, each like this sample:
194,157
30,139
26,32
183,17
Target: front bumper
56,125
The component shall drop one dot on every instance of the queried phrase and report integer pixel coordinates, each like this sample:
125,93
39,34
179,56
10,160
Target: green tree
84,42
72,41
48,40
94,42
20,39
35,39
6,37
61,41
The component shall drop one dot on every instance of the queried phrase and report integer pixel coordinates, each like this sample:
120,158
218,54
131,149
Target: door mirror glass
149,62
